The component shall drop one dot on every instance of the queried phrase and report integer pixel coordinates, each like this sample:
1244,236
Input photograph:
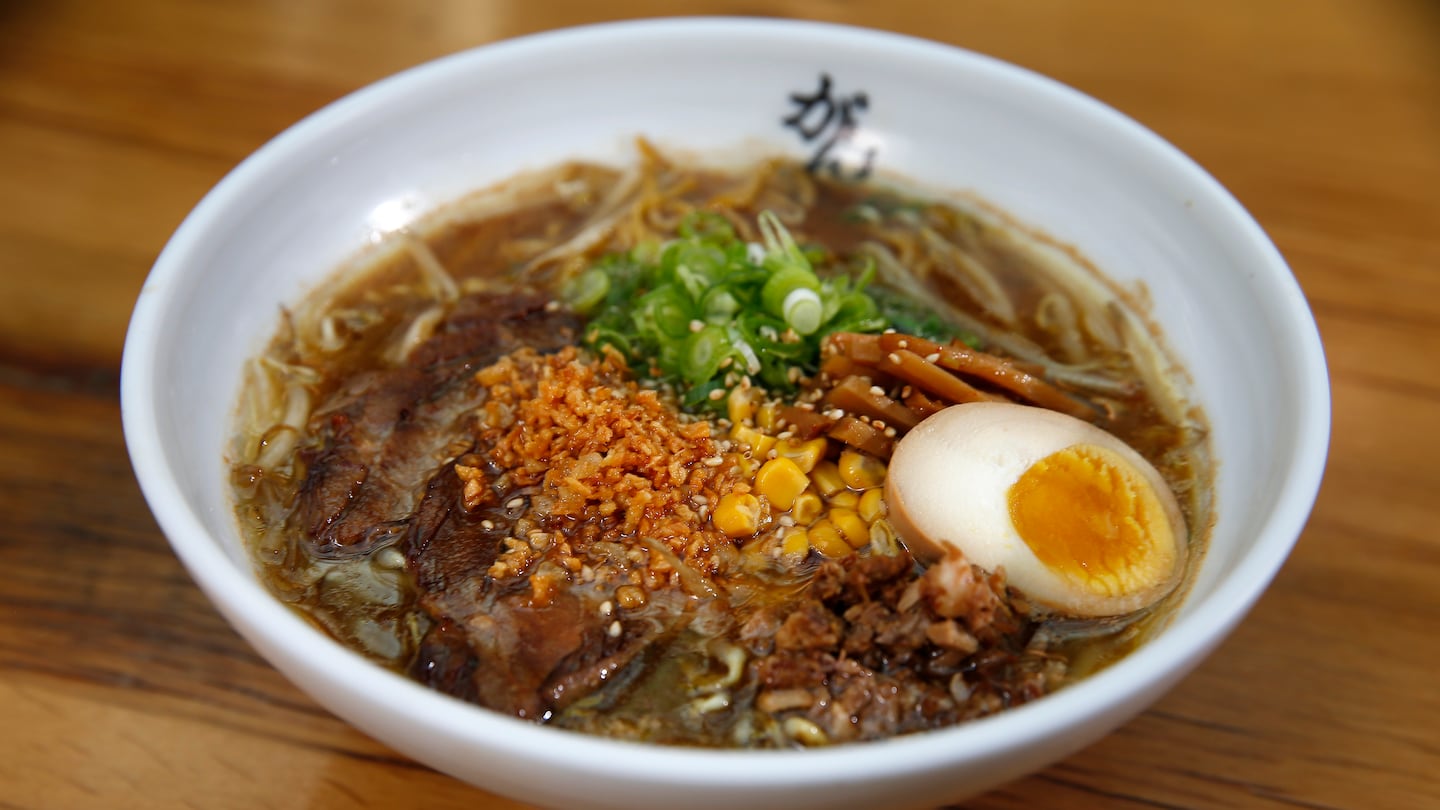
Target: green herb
705,309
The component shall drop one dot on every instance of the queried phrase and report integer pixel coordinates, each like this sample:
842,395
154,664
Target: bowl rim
268,624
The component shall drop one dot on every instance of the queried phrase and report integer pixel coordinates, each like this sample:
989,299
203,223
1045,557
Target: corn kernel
883,539
845,499
855,531
740,407
767,416
797,542
805,454
872,505
807,508
737,515
826,539
781,480
827,478
860,470
759,443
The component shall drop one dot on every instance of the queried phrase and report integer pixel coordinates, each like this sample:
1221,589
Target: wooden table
123,688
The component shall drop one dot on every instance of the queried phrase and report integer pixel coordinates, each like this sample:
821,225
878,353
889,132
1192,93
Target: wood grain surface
120,687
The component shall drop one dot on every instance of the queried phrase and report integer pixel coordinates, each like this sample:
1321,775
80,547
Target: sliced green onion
588,290
667,310
682,311
704,351
802,310
781,284
719,305
743,348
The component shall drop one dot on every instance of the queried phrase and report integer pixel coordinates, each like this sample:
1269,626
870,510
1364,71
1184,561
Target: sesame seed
607,607
889,432
806,406
904,344
876,390
696,325
725,363
878,423
615,629
713,461
717,394
487,524
890,331
906,391
933,357
552,306
785,434
786,520
893,357
515,502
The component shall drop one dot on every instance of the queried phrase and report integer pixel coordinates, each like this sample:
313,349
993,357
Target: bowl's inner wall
287,218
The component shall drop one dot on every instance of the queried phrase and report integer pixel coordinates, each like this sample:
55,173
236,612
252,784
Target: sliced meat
517,647
384,434
447,546
607,657
356,430
482,327
532,661
490,643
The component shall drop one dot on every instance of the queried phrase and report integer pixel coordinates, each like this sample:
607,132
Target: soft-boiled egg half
1079,522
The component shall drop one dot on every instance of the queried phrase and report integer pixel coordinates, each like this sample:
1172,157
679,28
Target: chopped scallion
686,307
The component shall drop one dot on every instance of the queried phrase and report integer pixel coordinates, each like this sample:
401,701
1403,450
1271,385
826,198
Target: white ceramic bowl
1138,208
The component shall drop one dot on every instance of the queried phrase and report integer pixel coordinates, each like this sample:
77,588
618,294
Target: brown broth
370,601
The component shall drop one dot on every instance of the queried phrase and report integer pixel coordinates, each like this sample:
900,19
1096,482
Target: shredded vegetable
705,310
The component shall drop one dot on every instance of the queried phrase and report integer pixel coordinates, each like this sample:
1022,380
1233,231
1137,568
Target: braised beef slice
601,659
448,547
446,662
488,643
385,433
516,647
480,328
356,429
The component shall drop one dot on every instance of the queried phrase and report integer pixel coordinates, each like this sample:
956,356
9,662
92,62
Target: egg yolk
1087,514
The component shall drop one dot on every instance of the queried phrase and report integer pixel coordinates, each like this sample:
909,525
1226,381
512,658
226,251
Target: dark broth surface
366,421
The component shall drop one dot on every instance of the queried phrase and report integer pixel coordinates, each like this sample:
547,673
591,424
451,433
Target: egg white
948,485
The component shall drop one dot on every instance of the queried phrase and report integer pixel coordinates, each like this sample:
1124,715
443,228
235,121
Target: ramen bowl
846,101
